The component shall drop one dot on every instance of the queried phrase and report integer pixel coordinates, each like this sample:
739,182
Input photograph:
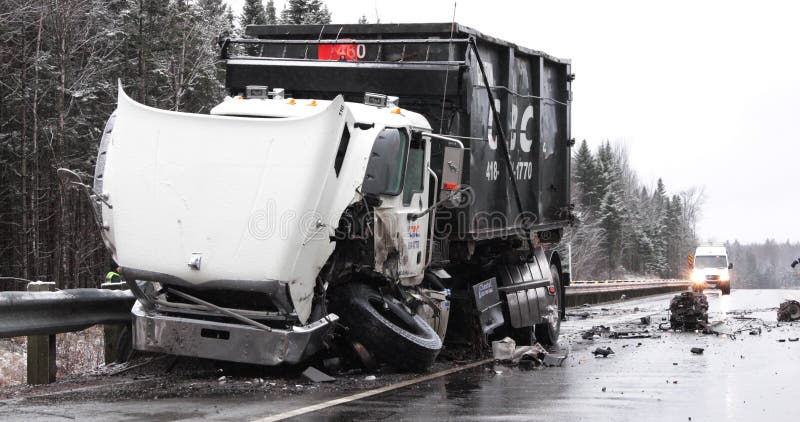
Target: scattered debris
781,340
554,360
789,310
503,350
315,375
602,352
716,327
697,350
527,357
630,334
794,339
370,378
582,315
645,320
604,389
597,330
688,310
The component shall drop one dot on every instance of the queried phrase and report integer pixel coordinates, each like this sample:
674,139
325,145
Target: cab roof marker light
380,100
313,103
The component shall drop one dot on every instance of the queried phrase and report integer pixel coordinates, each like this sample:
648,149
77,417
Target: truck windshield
387,163
711,261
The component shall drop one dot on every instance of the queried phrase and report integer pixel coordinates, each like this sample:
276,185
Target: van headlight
726,276
696,277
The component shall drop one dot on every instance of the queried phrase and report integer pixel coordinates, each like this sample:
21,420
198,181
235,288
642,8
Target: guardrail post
116,346
41,349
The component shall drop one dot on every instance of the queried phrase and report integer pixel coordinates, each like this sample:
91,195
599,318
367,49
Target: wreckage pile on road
688,310
789,310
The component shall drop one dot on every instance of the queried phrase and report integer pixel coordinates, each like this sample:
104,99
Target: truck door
398,173
415,200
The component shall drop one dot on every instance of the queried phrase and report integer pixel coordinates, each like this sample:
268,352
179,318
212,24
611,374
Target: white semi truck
396,187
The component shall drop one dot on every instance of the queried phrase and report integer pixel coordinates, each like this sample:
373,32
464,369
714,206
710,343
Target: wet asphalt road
752,377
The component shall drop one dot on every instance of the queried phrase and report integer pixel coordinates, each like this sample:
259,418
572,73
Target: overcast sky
704,93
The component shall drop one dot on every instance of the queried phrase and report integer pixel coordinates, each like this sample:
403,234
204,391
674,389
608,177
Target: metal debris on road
794,339
315,375
697,350
687,310
597,330
789,310
630,334
602,352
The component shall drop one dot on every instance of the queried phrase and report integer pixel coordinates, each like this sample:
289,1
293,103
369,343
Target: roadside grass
76,352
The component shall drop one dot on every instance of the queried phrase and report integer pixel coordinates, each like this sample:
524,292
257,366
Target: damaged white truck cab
319,215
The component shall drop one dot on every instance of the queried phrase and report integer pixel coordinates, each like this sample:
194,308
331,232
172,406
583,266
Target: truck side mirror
451,169
730,265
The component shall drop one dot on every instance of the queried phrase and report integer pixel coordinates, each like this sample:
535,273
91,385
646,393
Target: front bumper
156,332
711,284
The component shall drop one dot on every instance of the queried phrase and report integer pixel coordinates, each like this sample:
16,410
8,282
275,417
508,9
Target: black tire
726,290
386,328
547,332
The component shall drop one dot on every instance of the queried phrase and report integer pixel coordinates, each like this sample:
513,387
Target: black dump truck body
434,71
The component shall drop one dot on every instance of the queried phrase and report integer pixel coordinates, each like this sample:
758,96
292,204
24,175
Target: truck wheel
726,290
547,331
386,328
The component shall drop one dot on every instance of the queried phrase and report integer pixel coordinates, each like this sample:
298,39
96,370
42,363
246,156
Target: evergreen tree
586,178
270,13
612,208
305,12
252,14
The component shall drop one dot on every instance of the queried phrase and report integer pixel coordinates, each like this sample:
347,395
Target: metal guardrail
581,283
582,292
42,313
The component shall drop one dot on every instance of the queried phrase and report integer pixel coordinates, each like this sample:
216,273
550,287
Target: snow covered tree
252,13
270,13
305,12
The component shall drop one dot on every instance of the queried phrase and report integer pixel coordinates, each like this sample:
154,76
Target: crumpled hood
242,198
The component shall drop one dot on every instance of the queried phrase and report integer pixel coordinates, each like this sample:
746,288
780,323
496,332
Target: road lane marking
370,393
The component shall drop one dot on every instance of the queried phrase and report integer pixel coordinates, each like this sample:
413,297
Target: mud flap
487,301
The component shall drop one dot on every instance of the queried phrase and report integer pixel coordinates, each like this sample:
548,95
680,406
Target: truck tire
726,289
386,328
547,332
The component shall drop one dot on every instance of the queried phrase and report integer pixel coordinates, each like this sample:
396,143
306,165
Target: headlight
726,276
696,277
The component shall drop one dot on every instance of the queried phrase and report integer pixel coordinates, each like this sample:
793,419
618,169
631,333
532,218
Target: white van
711,269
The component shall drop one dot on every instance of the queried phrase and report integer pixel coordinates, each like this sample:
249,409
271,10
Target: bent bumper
156,332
